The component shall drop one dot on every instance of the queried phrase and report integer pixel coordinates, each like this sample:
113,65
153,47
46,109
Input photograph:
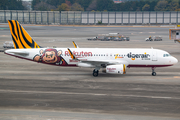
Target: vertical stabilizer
21,38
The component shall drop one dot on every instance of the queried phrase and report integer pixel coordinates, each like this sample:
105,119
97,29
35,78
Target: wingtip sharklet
72,55
75,45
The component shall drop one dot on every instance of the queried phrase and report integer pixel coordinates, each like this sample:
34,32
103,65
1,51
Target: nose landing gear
153,71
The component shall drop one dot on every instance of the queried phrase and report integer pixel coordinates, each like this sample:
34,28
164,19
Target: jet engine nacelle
116,69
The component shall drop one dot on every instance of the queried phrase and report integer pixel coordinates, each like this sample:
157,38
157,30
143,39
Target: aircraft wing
95,62
103,62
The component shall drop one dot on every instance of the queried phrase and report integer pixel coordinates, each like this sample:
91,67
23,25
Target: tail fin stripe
27,41
23,39
20,37
15,44
12,27
14,35
18,32
32,45
12,30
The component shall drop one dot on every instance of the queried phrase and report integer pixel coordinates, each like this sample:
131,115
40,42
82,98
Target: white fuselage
131,57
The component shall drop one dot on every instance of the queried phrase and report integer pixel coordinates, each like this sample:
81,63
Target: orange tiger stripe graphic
21,38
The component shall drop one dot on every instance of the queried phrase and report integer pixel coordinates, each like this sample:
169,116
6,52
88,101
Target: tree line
106,5
11,5
93,5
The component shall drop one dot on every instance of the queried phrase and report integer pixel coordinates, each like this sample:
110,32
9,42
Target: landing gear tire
153,73
95,73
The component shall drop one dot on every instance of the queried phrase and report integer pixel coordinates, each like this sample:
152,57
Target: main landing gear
153,73
95,72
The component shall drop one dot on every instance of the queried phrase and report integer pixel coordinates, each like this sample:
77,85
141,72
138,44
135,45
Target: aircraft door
154,55
177,34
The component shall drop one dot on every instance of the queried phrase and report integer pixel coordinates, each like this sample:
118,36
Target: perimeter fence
91,18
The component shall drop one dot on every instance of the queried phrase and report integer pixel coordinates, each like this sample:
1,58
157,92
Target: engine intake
116,69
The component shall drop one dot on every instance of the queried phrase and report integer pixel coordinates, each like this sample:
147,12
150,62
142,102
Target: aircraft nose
174,60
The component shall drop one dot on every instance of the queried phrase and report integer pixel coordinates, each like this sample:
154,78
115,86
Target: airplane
111,60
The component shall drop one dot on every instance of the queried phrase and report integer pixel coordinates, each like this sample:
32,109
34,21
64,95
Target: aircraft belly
135,65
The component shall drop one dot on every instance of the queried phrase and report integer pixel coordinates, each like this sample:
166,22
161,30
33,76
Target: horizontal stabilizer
22,53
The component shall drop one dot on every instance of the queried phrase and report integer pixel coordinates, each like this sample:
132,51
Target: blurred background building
27,4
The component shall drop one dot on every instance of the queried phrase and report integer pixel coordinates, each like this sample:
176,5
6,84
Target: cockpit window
166,55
